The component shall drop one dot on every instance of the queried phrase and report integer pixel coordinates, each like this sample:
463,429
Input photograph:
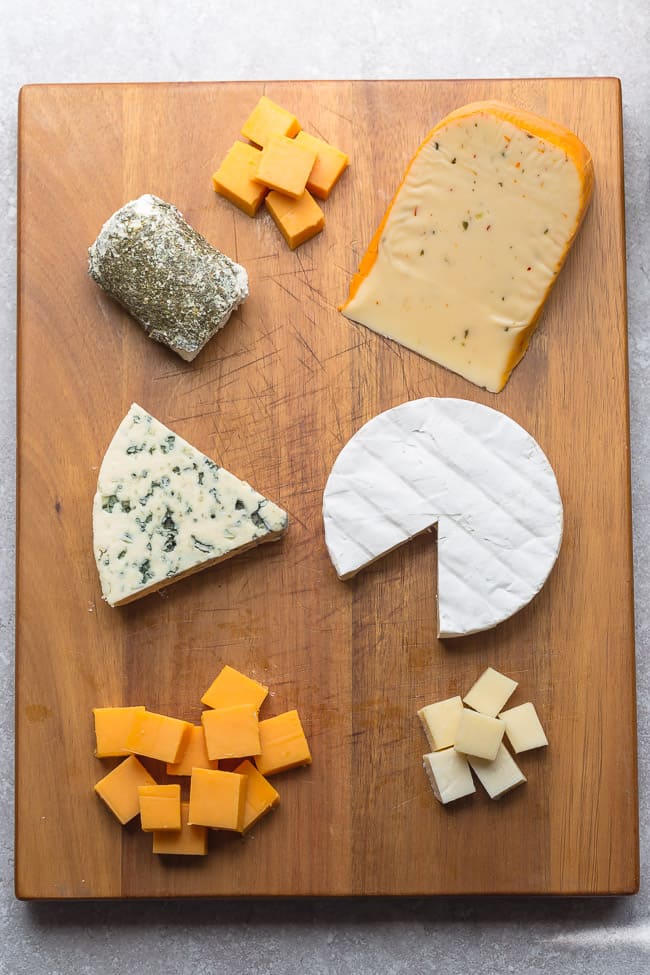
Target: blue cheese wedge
164,510
472,472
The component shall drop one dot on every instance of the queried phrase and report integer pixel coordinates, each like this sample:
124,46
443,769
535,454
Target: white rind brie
164,510
473,472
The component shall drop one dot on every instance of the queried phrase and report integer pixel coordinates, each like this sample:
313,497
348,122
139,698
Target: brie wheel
475,474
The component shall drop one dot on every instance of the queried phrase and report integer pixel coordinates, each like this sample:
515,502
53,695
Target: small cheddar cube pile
233,798
283,166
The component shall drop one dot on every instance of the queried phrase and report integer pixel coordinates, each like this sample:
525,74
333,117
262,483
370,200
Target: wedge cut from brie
473,472
164,510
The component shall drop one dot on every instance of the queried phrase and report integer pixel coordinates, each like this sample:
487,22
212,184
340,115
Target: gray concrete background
46,41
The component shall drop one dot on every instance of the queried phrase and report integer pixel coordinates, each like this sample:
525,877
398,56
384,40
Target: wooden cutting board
273,398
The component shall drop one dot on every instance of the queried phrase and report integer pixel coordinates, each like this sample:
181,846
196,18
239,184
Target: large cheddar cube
326,171
217,799
235,178
231,732
298,220
187,841
283,743
285,166
112,726
194,754
261,797
230,687
267,120
157,736
160,807
119,789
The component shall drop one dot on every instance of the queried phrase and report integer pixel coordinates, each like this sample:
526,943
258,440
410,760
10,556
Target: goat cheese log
179,287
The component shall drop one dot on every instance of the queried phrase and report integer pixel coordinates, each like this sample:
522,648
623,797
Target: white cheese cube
449,775
479,735
490,692
440,722
499,776
523,728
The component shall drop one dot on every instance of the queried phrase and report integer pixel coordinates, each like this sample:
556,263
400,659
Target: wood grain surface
273,398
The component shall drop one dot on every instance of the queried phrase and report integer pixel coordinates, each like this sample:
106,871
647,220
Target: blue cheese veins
164,510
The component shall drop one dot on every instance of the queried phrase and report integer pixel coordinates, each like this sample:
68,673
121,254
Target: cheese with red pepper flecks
474,239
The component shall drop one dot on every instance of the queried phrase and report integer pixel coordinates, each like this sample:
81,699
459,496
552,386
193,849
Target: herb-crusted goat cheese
164,510
179,287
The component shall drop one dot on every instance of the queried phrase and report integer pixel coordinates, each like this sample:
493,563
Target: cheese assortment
285,167
474,238
218,798
163,510
472,472
466,739
458,271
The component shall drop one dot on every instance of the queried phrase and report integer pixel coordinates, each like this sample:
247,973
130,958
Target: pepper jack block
268,119
187,841
283,744
119,789
235,178
217,799
298,220
466,254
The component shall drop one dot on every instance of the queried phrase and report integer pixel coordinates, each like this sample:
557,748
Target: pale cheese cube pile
470,739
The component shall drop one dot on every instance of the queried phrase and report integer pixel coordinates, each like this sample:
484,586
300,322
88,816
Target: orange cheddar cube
231,732
187,841
119,789
330,163
230,688
283,742
112,726
285,166
160,807
235,178
217,799
298,220
194,755
261,797
157,736
267,120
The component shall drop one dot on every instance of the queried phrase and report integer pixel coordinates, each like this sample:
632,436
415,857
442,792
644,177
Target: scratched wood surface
273,398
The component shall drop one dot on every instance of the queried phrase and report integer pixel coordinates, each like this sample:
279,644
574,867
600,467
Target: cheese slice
473,472
473,240
164,510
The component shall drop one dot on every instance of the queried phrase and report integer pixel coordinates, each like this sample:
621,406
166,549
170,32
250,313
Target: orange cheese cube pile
217,798
287,161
